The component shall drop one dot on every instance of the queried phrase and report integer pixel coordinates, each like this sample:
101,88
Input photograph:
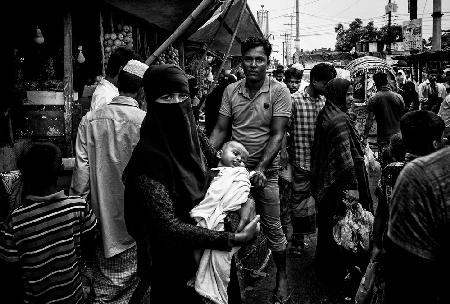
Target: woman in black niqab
165,178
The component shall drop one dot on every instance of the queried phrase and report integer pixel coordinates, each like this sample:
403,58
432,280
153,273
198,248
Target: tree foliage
346,39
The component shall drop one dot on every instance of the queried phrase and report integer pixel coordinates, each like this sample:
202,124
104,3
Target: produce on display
123,37
169,56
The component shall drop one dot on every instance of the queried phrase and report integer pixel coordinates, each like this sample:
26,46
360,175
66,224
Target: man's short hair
419,129
40,164
118,59
293,72
254,42
128,82
323,72
380,79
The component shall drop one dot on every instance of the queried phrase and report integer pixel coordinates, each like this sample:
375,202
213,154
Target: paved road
305,286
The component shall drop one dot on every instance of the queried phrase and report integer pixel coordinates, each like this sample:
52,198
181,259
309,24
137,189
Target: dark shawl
168,150
336,155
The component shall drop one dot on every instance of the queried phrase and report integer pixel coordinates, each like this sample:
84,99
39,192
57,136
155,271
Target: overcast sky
319,17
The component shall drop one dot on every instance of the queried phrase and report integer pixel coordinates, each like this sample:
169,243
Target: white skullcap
136,68
298,66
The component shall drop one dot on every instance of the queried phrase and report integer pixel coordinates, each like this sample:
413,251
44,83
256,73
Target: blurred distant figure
214,100
386,107
278,74
410,96
431,93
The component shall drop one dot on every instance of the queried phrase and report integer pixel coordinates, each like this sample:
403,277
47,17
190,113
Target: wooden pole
68,81
102,40
180,30
244,6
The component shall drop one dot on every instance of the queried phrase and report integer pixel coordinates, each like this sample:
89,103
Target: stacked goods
169,56
123,37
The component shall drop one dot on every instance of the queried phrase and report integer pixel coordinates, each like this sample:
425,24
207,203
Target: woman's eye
166,97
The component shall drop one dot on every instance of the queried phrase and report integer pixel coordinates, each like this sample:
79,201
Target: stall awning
166,14
249,27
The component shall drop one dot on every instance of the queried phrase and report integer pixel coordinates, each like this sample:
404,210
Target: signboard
391,8
412,34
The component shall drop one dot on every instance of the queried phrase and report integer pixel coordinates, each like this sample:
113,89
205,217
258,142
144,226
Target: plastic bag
353,231
372,165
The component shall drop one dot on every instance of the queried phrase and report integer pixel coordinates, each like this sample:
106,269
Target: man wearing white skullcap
105,141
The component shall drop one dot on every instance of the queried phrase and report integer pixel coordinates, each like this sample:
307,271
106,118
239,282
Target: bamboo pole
180,30
68,81
102,41
244,6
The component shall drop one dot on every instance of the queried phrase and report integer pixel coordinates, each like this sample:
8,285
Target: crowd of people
159,205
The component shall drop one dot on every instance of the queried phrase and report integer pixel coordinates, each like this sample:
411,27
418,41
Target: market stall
361,72
59,52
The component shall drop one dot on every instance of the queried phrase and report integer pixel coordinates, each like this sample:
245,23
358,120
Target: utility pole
437,31
297,26
412,7
289,42
388,46
285,45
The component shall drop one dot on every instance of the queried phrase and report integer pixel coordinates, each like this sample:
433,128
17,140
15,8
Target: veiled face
172,98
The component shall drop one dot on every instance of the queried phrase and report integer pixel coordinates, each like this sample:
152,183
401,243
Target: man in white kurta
105,141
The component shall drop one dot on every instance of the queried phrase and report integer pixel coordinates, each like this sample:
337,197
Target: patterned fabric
10,192
114,279
335,151
419,214
44,236
305,110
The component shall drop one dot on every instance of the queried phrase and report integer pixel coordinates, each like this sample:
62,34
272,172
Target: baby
229,189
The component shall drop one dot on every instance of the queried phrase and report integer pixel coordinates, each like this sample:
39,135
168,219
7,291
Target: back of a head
118,59
380,79
40,164
396,147
253,42
419,130
130,77
322,72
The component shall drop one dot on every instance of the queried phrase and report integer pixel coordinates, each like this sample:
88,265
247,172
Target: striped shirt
44,236
305,110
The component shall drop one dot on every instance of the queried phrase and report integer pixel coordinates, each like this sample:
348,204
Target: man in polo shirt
259,107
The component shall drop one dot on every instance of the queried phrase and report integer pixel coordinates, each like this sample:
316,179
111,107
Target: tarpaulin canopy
166,14
248,27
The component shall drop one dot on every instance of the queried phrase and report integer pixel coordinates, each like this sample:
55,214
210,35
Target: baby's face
233,155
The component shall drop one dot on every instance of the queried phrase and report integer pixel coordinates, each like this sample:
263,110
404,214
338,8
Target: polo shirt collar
264,88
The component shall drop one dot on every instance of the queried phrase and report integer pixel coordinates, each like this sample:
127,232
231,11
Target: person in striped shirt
48,233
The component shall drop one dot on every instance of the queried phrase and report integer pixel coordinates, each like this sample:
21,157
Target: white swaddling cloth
227,192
